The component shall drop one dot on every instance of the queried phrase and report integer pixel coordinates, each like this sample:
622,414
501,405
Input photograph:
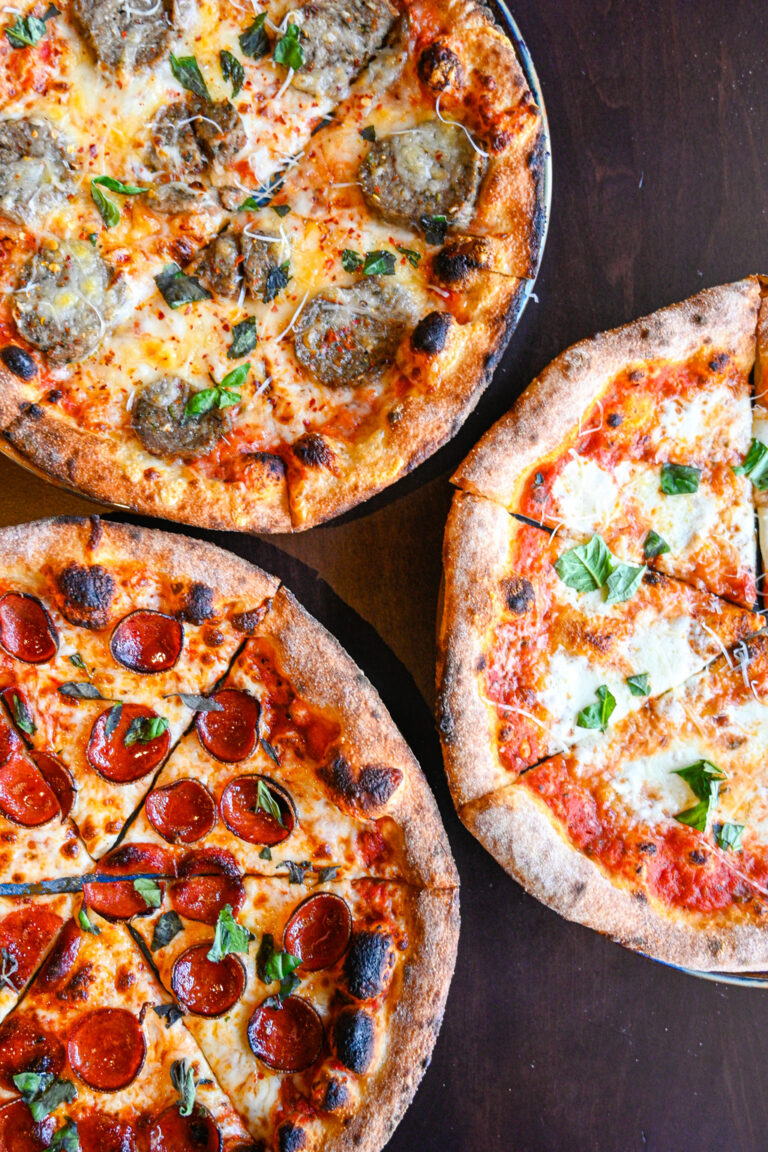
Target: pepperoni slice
172,1132
287,1037
26,629
207,987
58,779
242,808
20,1133
318,931
106,1049
147,641
25,798
61,959
100,1133
201,898
208,862
122,763
10,741
231,734
26,1046
25,934
116,901
182,812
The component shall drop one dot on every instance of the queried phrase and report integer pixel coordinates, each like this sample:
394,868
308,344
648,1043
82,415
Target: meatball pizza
229,915
601,681
256,264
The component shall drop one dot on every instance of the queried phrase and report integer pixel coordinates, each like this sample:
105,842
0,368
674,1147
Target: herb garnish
677,479
187,71
22,716
755,465
244,339
272,965
434,228
42,1092
296,871
183,1080
222,395
230,936
703,778
288,50
590,566
113,720
281,209
654,545
232,69
413,258
168,926
86,925
168,1012
80,690
267,803
254,42
27,30
598,714
368,133
277,280
150,892
639,685
65,1139
728,836
177,288
144,729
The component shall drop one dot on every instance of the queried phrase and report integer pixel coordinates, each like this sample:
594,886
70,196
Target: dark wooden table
554,1038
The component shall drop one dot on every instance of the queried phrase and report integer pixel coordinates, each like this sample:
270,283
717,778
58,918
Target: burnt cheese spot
312,450
87,592
291,1138
336,1097
440,68
456,263
198,604
366,792
614,419
248,622
518,594
718,362
431,333
18,361
369,963
354,1037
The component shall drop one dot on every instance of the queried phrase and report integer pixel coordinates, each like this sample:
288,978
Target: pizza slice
637,434
307,1001
543,641
29,927
755,463
300,766
95,1058
657,832
108,636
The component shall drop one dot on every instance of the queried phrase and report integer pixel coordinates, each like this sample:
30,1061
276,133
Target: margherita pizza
256,265
279,860
603,701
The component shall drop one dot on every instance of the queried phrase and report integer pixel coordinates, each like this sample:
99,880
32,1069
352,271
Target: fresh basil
267,803
144,729
351,260
272,965
244,339
150,892
622,583
728,836
80,690
254,42
113,720
21,715
168,1012
197,703
229,937
288,50
78,662
223,395
108,210
654,545
639,685
264,195
118,186
598,714
703,778
187,71
270,750
755,465
296,871
413,258
232,69
434,228
42,1092
677,479
178,289
586,567
86,925
168,926
330,872
27,30
368,133
263,955
65,1139
281,209
9,966
265,853
277,280
379,264
183,1080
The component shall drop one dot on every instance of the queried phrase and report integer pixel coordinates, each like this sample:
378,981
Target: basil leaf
288,50
232,69
21,715
351,260
434,228
368,133
277,280
65,1139
178,289
168,1012
265,853
623,582
587,566
676,479
201,402
703,778
288,984
755,465
187,71
598,714
86,925
235,379
113,720
42,1092
144,729
639,685
78,662
379,264
109,212
267,803
80,690
413,258
272,965
244,339
230,936
150,892
254,42
728,836
27,30
183,1080
270,751
330,872
281,209
264,955
168,926
296,871
698,816
9,968
654,545
198,703
118,186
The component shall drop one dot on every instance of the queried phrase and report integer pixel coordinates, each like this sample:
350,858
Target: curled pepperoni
318,931
122,763
26,1046
208,862
25,934
61,959
201,898
147,641
182,812
207,987
172,1132
58,779
121,901
10,741
100,1133
25,798
244,813
20,1133
106,1048
26,629
231,734
287,1037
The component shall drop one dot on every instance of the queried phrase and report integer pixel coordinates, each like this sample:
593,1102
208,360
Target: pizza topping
218,268
430,170
272,965
26,630
703,778
25,1046
61,959
430,336
639,685
123,36
204,986
258,810
132,748
10,741
147,641
173,144
286,1035
167,927
265,276
25,798
121,901
66,298
230,936
354,1039
230,735
369,964
22,717
182,812
654,545
337,38
25,934
174,1131
591,566
677,479
319,931
244,340
161,420
440,68
20,1133
232,69
43,1092
106,1049
598,714
26,31
35,171
202,898
220,131
98,1132
755,465
86,924
65,1139
87,591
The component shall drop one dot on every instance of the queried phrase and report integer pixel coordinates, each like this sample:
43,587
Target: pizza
230,913
602,699
256,265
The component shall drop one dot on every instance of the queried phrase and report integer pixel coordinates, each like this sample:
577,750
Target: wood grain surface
556,1040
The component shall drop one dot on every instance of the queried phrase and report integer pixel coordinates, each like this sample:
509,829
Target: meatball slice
66,299
160,420
346,333
124,33
339,37
218,266
433,170
35,172
219,130
260,258
173,143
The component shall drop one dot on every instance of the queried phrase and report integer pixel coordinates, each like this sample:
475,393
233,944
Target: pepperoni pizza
233,914
256,264
603,701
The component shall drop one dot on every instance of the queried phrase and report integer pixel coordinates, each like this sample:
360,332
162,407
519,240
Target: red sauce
286,716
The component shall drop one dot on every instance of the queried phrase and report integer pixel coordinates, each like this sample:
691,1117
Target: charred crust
34,411
456,262
272,465
248,622
518,594
615,419
369,963
653,577
96,532
291,1138
198,604
18,361
440,68
431,333
87,592
336,1097
354,1038
369,790
718,362
444,717
312,450
76,990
